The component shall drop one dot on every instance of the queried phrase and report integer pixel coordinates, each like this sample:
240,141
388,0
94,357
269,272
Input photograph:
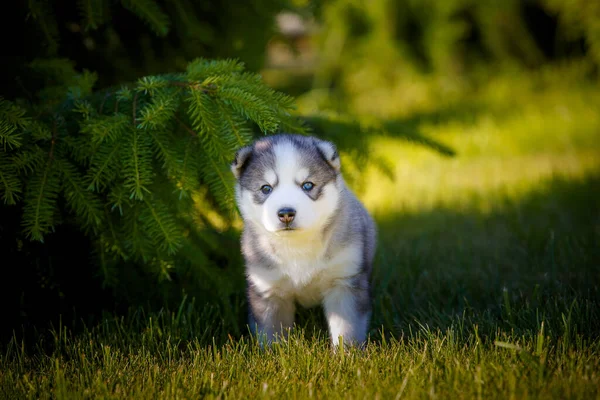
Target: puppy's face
287,183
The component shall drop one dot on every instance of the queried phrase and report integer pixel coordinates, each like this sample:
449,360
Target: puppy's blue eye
266,189
307,186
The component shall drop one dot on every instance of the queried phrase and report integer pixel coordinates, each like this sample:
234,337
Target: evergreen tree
115,144
126,161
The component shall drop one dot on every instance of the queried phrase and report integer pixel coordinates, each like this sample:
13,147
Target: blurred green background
470,129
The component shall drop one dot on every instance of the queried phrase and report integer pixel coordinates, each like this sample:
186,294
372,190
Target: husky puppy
307,239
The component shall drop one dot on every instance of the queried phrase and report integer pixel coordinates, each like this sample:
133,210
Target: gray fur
349,226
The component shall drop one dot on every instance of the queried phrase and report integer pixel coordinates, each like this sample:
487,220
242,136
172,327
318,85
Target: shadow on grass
528,260
352,135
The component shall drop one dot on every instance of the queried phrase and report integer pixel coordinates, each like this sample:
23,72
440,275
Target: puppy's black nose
286,215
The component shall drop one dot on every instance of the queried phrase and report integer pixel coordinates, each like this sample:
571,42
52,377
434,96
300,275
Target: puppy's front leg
269,315
348,311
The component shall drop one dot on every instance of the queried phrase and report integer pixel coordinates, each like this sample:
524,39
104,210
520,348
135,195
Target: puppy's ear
242,156
329,152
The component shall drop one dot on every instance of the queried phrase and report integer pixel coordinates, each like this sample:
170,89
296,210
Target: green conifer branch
250,106
233,127
163,151
205,117
40,201
163,267
151,13
113,238
105,164
105,127
201,69
160,226
12,123
217,177
28,159
137,164
10,182
159,113
42,12
10,137
187,175
137,241
118,198
38,131
111,154
81,201
92,13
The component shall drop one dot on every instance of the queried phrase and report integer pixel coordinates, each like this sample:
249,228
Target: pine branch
91,12
163,151
150,13
105,127
206,120
12,123
250,106
137,243
81,85
187,175
134,109
158,114
118,198
160,226
41,11
40,202
41,196
79,148
117,150
105,164
10,182
137,164
28,159
39,131
163,267
152,84
61,78
218,178
82,202
9,136
202,112
113,238
13,114
200,69
234,127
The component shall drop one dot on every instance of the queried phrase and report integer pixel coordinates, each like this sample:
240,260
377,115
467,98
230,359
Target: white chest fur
303,271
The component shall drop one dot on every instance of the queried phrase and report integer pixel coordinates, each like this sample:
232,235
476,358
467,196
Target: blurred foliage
127,39
395,57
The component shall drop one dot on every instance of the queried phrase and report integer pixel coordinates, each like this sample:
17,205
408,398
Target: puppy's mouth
287,228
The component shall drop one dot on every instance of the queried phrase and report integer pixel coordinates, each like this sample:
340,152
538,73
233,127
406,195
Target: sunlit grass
455,363
502,146
428,181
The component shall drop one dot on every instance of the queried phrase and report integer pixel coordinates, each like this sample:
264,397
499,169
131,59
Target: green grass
486,278
454,363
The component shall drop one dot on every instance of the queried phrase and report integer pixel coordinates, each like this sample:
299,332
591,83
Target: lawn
486,278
